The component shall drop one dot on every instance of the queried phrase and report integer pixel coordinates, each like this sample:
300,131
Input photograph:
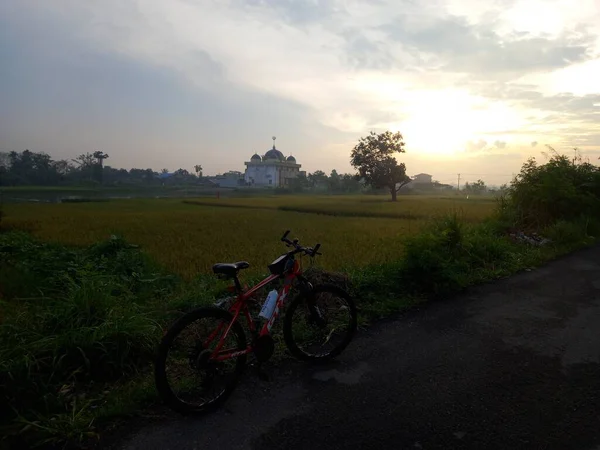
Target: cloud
291,11
482,144
477,146
176,82
141,113
461,46
534,143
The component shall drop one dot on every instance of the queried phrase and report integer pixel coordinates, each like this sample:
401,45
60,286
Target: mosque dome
291,159
255,157
274,154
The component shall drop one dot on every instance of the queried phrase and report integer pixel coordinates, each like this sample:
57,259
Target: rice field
407,207
187,237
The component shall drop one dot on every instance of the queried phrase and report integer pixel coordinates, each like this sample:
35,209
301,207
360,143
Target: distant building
422,178
421,181
229,179
272,169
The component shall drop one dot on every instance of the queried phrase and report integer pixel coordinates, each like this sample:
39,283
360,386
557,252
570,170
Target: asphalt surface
509,365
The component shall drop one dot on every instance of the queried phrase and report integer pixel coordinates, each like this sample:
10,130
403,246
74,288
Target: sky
474,86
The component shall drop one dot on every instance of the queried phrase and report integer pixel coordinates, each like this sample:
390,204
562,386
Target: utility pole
459,182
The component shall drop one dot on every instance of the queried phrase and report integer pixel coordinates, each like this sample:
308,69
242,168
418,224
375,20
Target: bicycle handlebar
307,250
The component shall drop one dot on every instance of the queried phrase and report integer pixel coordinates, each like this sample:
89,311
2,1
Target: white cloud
476,146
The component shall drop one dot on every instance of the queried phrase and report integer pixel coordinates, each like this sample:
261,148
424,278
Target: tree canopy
478,187
373,158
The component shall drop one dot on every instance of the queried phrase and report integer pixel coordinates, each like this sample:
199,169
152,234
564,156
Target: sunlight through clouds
320,74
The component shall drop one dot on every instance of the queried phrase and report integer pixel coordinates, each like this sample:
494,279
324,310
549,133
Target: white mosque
272,169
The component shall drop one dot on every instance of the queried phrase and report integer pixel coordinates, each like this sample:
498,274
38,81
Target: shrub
570,232
433,260
561,189
451,255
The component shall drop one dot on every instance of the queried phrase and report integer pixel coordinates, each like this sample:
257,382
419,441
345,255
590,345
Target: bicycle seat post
238,285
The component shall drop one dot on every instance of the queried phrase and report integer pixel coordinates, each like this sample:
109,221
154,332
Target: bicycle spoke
319,327
193,375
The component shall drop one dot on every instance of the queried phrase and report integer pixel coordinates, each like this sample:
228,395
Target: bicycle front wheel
320,324
187,378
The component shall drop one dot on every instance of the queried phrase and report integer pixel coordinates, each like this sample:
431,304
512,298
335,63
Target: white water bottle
269,305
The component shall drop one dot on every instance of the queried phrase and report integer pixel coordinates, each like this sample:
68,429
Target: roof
274,154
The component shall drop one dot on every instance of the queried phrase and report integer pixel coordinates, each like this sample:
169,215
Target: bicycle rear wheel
320,324
187,379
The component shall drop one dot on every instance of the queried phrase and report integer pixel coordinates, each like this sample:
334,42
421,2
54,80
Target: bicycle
209,356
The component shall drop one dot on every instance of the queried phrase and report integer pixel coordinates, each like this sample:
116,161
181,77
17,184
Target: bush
573,232
451,255
561,189
432,260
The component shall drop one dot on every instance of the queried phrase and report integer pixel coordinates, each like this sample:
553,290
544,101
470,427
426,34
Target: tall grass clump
71,320
451,255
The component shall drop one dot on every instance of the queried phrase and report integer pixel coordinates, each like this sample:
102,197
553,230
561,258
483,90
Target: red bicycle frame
241,307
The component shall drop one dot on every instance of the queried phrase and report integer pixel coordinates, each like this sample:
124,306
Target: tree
100,157
4,169
374,160
84,160
334,181
85,163
317,179
299,183
198,169
181,173
350,183
62,167
28,167
478,187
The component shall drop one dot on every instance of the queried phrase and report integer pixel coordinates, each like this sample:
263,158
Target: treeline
320,181
29,168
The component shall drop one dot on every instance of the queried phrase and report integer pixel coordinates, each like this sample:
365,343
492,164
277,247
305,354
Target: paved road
510,365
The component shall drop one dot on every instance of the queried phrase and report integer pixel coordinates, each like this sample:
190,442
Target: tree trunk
394,193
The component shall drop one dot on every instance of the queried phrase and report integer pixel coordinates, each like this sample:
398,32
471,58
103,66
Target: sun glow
441,122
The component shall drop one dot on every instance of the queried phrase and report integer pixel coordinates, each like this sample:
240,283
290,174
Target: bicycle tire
165,392
300,299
